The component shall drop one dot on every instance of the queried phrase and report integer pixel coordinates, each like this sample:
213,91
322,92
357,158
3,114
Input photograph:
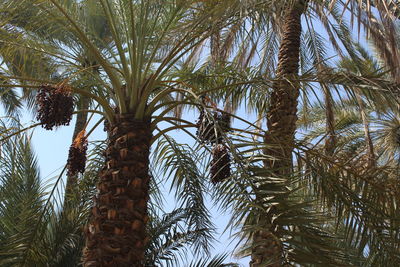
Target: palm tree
282,114
282,110
37,228
364,66
133,71
271,193
20,62
351,176
32,232
134,93
366,125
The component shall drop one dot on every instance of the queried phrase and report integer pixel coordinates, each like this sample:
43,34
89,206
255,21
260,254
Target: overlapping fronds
170,238
22,200
217,261
139,44
180,163
363,201
336,207
36,226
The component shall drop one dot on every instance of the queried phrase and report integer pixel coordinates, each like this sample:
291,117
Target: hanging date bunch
220,168
204,127
55,105
212,127
77,155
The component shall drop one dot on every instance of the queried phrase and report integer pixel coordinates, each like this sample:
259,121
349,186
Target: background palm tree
19,60
31,229
282,110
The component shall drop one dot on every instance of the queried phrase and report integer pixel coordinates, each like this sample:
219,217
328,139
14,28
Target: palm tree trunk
81,117
281,122
116,234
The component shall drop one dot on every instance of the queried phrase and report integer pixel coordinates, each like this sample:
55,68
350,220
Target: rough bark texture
116,234
281,122
282,114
